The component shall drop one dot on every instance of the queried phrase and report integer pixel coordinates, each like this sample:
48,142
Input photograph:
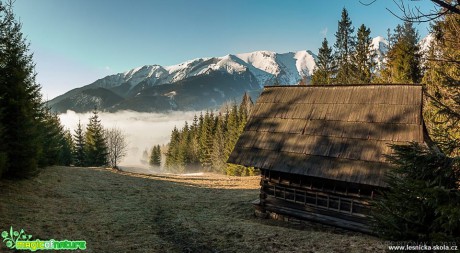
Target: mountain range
196,84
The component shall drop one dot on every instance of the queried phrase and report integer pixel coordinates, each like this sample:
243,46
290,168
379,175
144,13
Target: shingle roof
334,132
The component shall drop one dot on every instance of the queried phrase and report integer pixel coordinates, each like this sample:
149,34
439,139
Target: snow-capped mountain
247,72
196,84
289,68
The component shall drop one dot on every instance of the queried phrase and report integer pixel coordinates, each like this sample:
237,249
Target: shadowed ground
123,212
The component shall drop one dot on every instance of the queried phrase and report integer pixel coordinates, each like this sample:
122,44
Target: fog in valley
142,130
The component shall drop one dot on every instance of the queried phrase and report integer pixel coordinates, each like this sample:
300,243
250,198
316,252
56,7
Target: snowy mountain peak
264,66
197,83
379,43
425,42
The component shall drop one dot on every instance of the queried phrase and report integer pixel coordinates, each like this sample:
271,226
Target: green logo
21,241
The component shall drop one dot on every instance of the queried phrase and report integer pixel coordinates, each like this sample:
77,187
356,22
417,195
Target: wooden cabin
321,149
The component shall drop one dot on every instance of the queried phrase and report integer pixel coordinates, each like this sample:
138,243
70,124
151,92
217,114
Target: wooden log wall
341,203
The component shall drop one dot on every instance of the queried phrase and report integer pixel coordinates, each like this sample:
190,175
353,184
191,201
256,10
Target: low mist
142,130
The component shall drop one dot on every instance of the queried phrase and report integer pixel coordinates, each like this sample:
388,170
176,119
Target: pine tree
95,144
79,154
403,59
324,71
442,78
20,99
344,48
363,56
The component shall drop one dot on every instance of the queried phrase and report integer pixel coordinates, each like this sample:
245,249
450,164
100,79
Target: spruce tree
324,71
20,99
246,105
79,146
155,156
95,144
51,137
218,155
65,156
194,142
173,156
186,139
423,200
3,154
344,48
363,56
206,141
403,59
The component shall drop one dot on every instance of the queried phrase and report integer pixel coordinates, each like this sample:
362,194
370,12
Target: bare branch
415,14
367,4
454,8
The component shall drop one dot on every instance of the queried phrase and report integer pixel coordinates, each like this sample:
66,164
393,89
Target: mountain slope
198,84
195,84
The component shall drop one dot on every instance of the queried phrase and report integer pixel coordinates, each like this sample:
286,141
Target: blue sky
76,42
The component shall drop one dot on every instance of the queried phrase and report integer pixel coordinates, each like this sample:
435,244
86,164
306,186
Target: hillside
124,212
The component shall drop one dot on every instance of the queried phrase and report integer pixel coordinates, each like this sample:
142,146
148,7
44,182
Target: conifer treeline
352,59
207,142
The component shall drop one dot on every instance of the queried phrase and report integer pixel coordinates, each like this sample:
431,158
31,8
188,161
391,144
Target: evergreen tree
218,155
66,151
173,158
52,135
155,156
209,141
186,139
324,71
79,154
194,142
442,78
344,48
95,144
246,105
20,99
403,59
363,56
423,200
206,141
232,129
3,154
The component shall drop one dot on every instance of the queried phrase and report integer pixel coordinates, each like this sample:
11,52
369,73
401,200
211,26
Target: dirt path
123,212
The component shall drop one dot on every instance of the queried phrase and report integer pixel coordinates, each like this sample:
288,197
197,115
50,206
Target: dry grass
124,212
